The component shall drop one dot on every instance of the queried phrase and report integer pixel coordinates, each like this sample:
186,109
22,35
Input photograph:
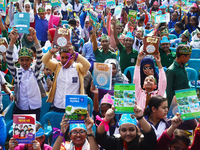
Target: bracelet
76,56
62,134
140,117
106,126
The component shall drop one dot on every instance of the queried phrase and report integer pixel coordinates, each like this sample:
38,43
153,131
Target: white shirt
77,8
2,81
67,83
29,92
47,16
170,3
140,43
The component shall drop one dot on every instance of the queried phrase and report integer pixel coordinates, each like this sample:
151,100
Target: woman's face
114,70
148,70
128,132
162,110
77,23
179,145
29,38
177,29
27,8
78,136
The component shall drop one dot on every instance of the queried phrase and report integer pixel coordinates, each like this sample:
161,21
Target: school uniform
137,44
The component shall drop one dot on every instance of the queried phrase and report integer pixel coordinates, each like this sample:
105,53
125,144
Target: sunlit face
105,43
128,132
149,83
183,38
179,145
177,29
79,138
47,71
27,8
104,108
128,42
42,15
25,62
139,33
48,11
118,29
162,110
29,38
165,46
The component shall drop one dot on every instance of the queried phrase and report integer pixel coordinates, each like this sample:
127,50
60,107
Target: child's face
178,145
183,38
64,56
104,108
174,16
77,23
47,71
48,11
25,62
29,38
185,58
149,83
177,29
128,2
174,7
192,22
165,46
27,8
118,29
140,23
86,24
162,110
193,9
128,42
198,35
128,132
65,1
42,15
114,70
139,34
163,10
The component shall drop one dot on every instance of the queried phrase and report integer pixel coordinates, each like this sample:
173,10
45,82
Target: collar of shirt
29,69
177,64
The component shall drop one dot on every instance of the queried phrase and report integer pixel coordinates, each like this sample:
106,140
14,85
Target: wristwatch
91,134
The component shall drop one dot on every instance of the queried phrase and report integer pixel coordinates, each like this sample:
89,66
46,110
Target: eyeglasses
125,130
82,132
147,67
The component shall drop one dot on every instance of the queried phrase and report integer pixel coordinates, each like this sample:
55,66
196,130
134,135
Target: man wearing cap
176,74
104,53
128,55
167,55
41,24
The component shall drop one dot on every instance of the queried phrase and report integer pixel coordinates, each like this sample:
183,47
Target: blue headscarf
147,60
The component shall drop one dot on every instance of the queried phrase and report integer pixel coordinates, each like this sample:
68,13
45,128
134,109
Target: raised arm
94,37
186,18
113,21
94,90
35,7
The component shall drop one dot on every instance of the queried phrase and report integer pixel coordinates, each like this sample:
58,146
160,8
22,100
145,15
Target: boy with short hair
28,86
176,74
150,83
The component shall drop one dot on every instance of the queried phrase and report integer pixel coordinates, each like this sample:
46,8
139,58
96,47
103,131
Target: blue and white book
3,7
118,11
162,18
111,4
22,22
102,76
76,108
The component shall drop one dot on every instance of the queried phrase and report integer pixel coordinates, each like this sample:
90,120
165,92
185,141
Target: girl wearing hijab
27,41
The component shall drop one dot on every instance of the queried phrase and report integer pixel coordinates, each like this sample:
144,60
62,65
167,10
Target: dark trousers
58,109
16,110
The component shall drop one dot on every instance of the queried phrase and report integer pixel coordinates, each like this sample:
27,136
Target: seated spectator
178,29
167,55
81,136
38,143
156,114
150,82
155,7
191,24
130,137
195,39
174,19
184,39
128,6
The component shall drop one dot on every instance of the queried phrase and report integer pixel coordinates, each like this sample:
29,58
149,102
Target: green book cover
188,104
153,14
132,15
124,98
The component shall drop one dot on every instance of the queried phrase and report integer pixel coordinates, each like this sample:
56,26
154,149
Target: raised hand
32,32
36,145
109,114
93,89
14,35
113,21
141,55
176,120
89,122
138,111
13,143
64,125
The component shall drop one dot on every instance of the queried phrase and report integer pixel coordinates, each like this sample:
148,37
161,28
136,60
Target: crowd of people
32,68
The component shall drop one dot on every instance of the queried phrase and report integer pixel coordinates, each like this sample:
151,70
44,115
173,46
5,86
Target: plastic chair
131,70
172,36
45,107
192,76
195,54
173,49
195,64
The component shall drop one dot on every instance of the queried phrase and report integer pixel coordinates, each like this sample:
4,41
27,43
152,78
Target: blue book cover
3,7
111,4
22,22
76,108
162,18
55,4
102,76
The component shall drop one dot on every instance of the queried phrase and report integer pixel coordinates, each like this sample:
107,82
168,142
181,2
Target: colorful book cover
188,104
55,4
13,0
132,15
99,9
118,11
153,14
3,7
76,108
69,7
162,18
111,4
3,45
124,98
24,128
85,1
173,109
102,3
61,38
93,15
102,75
141,4
22,22
87,6
47,1
151,45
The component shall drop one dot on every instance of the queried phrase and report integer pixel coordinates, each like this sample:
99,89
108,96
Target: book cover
93,15
111,4
132,15
76,108
22,22
61,38
141,4
99,9
153,14
87,6
151,44
102,76
24,128
3,7
188,104
102,3
124,98
56,4
162,18
85,1
3,45
118,11
173,109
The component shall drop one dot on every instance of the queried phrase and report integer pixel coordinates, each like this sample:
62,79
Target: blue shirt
190,28
175,33
41,27
75,39
171,24
88,50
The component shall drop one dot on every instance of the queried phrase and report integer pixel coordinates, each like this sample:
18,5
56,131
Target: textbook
153,14
56,4
24,128
76,108
22,22
3,7
93,15
3,45
61,38
132,15
162,18
124,98
151,44
173,109
102,76
111,4
141,4
118,11
188,104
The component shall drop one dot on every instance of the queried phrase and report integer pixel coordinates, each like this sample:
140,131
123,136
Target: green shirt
167,60
176,80
127,60
101,56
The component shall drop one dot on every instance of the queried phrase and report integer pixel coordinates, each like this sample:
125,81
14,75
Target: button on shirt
29,92
67,83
